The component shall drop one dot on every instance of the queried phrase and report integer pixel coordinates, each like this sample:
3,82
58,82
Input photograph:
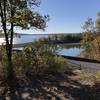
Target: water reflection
70,50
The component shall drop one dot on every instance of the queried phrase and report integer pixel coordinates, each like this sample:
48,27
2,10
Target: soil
52,86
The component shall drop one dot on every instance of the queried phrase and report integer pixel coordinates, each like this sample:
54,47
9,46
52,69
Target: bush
35,59
38,58
3,62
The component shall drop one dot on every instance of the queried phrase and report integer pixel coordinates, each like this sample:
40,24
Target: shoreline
28,43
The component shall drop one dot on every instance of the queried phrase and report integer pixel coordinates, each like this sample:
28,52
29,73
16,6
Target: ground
56,86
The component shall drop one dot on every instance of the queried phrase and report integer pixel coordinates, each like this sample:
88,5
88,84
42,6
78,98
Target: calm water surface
64,49
25,38
71,51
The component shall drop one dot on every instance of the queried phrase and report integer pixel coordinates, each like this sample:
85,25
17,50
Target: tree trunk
10,64
10,71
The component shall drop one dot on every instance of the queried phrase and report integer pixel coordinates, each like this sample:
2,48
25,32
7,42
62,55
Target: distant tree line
65,38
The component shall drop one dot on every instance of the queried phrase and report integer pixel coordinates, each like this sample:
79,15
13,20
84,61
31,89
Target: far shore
28,43
70,44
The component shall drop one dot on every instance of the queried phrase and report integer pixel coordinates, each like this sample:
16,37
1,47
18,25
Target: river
65,49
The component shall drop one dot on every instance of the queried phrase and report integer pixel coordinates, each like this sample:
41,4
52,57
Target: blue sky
67,16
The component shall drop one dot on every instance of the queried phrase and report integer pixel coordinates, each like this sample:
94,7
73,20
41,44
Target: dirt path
85,66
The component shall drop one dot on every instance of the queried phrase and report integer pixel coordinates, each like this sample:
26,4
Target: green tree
18,13
88,34
90,41
98,22
89,25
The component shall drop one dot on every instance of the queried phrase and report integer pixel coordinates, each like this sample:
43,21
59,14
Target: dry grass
87,78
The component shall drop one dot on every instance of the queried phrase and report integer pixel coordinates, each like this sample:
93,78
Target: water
25,38
73,50
70,52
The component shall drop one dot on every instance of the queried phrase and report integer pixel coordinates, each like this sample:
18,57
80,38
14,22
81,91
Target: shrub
3,62
35,59
38,58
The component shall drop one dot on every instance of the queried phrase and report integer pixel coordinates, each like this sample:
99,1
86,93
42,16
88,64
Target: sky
67,16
